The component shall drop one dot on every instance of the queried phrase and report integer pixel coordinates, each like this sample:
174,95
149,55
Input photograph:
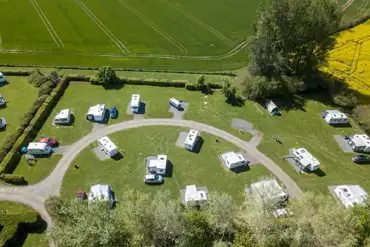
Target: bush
46,88
191,87
37,79
361,114
106,76
13,179
345,99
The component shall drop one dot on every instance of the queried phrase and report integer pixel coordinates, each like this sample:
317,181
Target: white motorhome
234,160
39,148
2,78
335,117
351,195
304,160
101,192
191,139
175,103
108,146
360,143
96,113
2,101
135,103
63,117
158,165
194,194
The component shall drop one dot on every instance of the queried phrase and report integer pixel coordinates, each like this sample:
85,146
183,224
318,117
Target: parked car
113,112
2,123
361,159
51,141
81,195
153,179
2,78
2,101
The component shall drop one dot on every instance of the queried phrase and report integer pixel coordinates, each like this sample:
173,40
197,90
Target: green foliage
13,179
345,99
88,226
53,206
46,88
291,36
229,92
106,76
37,79
197,231
243,238
361,113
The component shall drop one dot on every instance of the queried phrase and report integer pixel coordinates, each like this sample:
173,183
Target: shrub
345,99
13,179
106,75
46,88
361,114
36,78
191,87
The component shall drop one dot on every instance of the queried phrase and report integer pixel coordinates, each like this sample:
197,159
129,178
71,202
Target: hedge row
17,223
225,73
12,158
16,72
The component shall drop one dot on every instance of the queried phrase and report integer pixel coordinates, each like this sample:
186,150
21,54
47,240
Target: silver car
153,179
2,123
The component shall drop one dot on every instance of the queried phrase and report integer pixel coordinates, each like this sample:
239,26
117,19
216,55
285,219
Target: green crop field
125,32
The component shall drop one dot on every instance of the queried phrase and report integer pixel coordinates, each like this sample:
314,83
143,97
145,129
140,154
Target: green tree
197,231
244,238
90,225
291,36
106,75
219,210
229,93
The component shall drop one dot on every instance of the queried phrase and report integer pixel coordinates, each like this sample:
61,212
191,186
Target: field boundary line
47,24
231,53
183,49
107,32
200,23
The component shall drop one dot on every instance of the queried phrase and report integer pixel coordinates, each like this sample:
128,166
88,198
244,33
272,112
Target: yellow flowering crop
350,58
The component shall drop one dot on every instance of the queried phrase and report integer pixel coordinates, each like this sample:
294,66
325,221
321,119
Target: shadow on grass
142,108
319,173
24,229
118,156
236,101
169,169
117,86
240,169
198,145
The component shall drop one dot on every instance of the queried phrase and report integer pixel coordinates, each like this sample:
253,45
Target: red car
52,142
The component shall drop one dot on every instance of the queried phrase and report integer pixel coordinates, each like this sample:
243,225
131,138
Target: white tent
233,160
272,108
100,192
360,143
267,190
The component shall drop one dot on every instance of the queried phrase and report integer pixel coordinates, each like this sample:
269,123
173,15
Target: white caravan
135,103
191,139
158,165
108,146
63,117
101,192
360,143
234,160
304,160
335,117
96,113
350,195
39,148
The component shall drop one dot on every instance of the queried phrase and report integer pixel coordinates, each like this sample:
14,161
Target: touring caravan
39,148
234,160
96,113
108,146
175,103
135,103
191,140
63,117
335,117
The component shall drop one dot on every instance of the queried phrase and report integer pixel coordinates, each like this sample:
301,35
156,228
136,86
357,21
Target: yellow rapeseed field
350,58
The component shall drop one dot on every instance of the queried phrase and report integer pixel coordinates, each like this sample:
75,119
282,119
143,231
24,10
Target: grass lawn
202,169
35,173
78,98
31,238
20,96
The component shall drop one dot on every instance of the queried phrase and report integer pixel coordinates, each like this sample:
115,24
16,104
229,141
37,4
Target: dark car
361,159
51,141
113,112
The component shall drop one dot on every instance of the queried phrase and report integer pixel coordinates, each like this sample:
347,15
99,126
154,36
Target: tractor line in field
107,32
183,50
47,24
200,23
